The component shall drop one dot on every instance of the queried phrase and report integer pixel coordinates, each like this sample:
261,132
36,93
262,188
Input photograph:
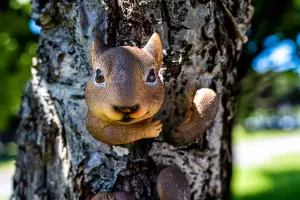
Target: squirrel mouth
126,119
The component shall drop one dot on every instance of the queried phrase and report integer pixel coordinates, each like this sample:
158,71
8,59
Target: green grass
241,134
278,179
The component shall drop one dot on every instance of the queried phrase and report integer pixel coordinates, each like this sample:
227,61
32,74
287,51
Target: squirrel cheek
111,114
139,113
94,109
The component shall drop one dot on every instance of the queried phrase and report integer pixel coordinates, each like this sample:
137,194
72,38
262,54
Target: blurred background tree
17,47
268,115
271,60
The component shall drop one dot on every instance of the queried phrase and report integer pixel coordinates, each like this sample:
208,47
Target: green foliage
17,47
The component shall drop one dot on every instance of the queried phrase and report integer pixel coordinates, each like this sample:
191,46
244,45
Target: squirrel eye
151,78
99,78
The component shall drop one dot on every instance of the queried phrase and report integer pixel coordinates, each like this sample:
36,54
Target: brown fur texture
199,119
172,184
110,118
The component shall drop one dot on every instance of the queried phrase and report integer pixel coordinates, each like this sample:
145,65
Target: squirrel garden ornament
125,92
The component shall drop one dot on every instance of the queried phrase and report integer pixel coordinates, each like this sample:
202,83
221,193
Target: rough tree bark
58,159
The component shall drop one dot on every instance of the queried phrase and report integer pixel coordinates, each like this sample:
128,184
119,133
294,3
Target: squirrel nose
126,110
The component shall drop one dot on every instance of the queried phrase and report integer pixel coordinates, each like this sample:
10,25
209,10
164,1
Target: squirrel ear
98,45
154,48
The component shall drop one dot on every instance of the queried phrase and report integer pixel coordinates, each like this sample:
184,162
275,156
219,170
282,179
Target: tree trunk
58,159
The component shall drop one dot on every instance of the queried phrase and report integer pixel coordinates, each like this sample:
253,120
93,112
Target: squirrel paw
200,118
206,102
154,129
113,196
171,184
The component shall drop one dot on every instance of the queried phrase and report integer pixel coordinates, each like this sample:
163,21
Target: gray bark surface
58,159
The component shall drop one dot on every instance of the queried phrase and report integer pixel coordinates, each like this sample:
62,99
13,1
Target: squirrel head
125,87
